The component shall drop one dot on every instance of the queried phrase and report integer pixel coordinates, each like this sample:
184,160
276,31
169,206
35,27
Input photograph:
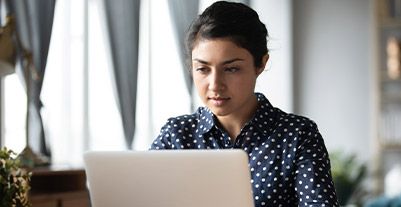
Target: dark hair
235,21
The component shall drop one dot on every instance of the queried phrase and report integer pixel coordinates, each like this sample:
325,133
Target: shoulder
295,121
180,130
298,130
186,119
302,134
276,120
187,122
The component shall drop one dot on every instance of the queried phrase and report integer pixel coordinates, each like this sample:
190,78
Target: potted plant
14,180
348,174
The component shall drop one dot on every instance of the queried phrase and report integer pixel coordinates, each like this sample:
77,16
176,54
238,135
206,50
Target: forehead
218,50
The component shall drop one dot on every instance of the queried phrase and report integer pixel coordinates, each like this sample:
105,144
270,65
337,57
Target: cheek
198,82
244,84
243,81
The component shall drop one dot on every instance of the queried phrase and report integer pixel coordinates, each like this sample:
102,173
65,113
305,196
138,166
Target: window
69,90
14,113
80,109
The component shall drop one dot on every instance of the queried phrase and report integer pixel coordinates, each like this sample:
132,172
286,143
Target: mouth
218,101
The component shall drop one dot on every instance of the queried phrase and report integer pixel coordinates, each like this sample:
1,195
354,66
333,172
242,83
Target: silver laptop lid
169,178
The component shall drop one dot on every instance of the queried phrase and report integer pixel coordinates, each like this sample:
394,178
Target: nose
216,81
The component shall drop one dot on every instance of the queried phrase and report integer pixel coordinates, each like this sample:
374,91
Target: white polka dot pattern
288,160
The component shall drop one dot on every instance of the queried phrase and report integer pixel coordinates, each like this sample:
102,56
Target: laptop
169,178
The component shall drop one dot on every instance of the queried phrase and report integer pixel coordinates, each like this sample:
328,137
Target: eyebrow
224,63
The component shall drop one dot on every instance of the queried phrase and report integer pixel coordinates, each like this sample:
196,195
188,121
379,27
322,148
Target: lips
218,101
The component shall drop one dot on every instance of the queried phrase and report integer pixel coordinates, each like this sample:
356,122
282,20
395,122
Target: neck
233,123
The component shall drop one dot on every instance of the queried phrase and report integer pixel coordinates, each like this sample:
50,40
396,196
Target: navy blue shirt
288,160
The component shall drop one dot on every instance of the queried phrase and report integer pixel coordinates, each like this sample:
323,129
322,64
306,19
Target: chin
219,112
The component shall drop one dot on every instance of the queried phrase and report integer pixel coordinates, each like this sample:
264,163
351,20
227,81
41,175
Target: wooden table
59,186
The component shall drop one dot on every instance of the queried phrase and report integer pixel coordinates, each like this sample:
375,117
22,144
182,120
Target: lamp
7,51
7,66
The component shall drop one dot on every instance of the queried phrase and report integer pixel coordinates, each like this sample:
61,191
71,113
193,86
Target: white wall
332,65
276,82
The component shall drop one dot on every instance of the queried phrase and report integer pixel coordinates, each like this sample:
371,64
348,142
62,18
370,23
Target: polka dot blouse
288,160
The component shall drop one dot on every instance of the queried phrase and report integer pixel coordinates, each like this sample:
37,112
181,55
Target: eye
231,69
201,70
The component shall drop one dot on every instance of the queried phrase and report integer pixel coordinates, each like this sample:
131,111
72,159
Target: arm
314,184
163,140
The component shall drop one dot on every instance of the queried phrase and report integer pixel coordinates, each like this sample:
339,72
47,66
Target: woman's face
224,76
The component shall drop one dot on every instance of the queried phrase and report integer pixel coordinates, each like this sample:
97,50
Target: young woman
288,160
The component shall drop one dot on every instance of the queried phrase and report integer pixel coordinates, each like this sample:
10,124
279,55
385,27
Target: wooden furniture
388,90
59,187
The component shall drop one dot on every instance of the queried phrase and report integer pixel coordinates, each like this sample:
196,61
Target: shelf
390,23
388,139
386,79
388,12
396,146
390,89
391,100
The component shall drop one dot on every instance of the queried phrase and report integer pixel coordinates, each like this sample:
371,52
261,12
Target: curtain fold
182,13
122,18
34,21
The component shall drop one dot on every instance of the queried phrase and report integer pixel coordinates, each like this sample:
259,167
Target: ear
263,64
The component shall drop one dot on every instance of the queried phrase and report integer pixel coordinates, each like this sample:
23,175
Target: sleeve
163,140
314,184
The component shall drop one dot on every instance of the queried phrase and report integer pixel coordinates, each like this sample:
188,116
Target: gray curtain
182,13
123,28
34,20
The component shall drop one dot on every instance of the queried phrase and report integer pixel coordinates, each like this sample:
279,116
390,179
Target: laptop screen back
169,178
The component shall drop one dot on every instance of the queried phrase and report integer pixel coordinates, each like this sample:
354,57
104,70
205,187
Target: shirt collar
263,118
206,120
